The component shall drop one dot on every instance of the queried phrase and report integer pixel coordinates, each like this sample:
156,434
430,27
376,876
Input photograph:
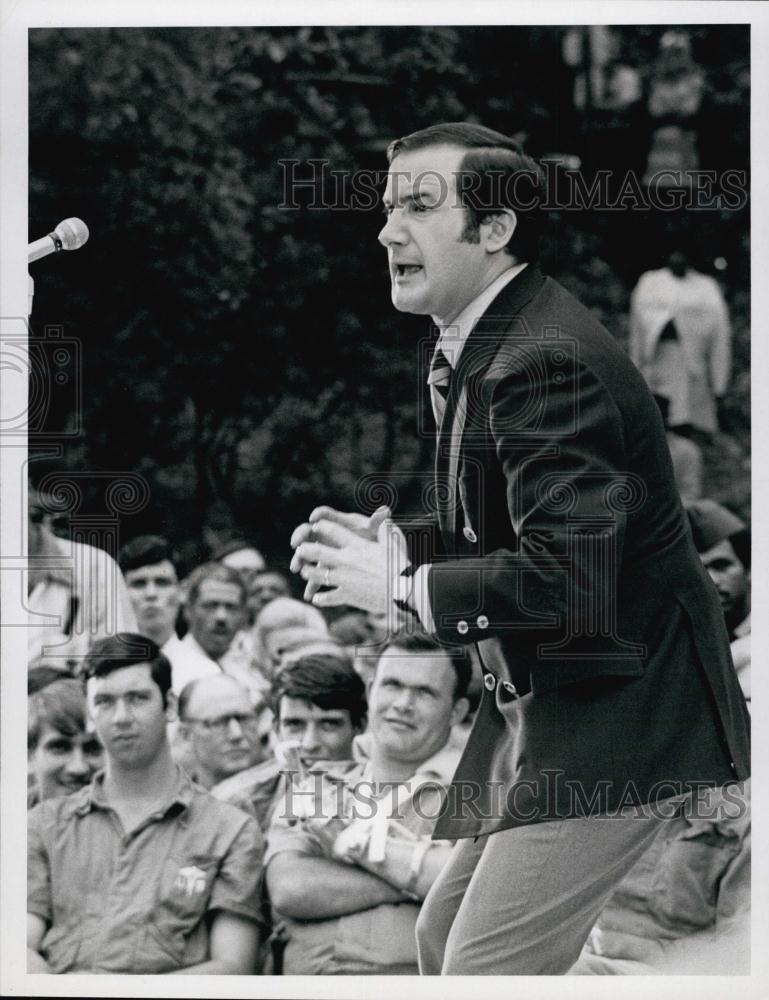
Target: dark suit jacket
567,558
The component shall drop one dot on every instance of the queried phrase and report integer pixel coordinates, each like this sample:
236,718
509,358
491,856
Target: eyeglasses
221,723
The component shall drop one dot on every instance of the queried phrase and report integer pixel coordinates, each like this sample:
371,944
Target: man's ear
459,711
498,229
172,708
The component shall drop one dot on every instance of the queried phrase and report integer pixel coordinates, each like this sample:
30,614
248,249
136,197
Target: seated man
320,705
142,871
684,908
350,859
220,727
61,756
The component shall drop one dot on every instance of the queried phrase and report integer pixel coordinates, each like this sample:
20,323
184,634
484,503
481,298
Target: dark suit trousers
522,901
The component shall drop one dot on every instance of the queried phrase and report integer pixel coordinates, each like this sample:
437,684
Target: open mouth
406,270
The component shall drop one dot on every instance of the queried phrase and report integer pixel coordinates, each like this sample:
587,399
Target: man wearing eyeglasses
222,730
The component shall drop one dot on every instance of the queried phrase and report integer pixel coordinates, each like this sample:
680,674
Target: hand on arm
410,864
316,888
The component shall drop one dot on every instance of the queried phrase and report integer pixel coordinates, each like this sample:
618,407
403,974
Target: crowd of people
250,766
225,779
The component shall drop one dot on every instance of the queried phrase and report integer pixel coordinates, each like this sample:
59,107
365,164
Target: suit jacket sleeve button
482,621
463,628
469,534
489,682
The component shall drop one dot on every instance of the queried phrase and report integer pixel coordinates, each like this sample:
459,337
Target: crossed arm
315,888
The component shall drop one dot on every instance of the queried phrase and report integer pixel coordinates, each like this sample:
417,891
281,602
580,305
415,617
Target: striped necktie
438,380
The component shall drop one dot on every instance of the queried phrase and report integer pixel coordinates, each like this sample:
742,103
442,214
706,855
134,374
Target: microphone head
72,232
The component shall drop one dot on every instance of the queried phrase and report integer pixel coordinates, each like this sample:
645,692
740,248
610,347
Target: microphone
68,235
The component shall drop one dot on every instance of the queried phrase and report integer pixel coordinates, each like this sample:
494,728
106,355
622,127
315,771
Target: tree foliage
241,355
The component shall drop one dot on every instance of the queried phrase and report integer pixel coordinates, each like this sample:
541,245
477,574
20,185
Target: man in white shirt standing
216,642
680,339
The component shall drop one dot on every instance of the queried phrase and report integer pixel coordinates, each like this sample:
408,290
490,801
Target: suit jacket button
489,681
463,628
482,621
469,534
510,688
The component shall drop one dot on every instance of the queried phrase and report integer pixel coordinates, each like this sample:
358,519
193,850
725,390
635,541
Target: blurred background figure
688,467
266,585
240,556
221,727
153,586
355,628
62,756
723,542
284,626
680,339
216,612
684,908
76,593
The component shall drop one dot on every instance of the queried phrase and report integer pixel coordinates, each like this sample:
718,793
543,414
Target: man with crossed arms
562,551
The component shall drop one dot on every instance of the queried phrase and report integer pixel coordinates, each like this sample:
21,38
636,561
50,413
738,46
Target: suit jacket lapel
477,354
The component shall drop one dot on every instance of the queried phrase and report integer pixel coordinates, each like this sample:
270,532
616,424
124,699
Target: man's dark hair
493,174
712,522
40,677
60,705
326,680
145,550
128,649
214,571
421,644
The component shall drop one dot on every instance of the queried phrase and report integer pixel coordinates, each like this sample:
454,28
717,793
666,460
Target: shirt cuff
420,598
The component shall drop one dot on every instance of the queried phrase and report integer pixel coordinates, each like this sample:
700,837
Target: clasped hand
354,557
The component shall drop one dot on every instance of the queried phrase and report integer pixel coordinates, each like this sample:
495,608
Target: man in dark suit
562,551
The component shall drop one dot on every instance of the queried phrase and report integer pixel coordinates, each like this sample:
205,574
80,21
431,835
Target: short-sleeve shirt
138,902
256,790
380,940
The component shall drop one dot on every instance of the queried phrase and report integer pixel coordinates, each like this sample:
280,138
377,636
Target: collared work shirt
256,791
138,902
380,940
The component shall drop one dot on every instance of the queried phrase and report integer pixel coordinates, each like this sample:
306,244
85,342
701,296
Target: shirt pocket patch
182,899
